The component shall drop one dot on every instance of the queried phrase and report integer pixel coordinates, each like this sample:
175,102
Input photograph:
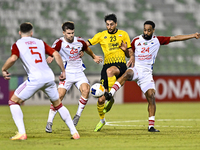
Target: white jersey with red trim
32,51
146,51
70,53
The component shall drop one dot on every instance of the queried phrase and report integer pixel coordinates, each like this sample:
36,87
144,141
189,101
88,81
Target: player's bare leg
150,96
85,89
52,111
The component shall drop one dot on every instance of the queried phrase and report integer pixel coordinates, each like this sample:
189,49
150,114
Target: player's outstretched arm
184,37
59,61
9,63
96,58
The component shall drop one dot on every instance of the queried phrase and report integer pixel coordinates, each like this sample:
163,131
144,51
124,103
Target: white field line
120,123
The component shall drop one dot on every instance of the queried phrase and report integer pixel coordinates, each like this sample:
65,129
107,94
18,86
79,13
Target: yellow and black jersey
110,45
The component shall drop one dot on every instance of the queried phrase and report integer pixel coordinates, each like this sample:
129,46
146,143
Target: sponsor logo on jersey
139,44
105,37
67,46
73,51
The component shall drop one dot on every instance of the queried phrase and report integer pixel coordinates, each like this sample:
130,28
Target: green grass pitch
126,128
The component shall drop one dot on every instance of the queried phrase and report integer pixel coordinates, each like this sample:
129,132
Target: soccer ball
97,90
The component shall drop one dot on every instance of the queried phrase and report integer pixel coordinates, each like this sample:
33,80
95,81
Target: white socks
65,115
81,105
151,121
17,115
115,87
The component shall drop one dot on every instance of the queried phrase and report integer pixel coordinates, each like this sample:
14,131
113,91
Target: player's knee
61,97
101,100
150,95
85,91
128,75
109,72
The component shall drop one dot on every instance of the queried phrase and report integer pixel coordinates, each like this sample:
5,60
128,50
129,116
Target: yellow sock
100,110
111,82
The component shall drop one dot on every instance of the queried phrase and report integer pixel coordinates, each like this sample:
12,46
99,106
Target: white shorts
73,78
144,79
27,89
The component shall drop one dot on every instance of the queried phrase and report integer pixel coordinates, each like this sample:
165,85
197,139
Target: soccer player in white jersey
31,52
146,47
69,47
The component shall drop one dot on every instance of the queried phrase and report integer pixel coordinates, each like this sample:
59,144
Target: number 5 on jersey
36,53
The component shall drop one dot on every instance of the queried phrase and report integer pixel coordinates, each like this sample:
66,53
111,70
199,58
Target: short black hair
68,25
111,17
26,27
151,23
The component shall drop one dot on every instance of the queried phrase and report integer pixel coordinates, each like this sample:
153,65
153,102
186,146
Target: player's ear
31,32
20,33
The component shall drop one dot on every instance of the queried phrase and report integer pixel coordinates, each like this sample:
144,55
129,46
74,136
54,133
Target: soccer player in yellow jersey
112,42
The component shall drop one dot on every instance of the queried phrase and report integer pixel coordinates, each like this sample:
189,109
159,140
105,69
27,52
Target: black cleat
152,129
108,96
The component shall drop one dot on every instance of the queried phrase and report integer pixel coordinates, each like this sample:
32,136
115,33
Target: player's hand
98,59
131,62
81,53
49,59
123,45
6,75
197,35
62,77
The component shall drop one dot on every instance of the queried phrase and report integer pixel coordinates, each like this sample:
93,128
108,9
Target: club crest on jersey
145,43
105,37
151,42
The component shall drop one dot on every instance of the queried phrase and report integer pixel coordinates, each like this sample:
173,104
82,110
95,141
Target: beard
112,31
147,37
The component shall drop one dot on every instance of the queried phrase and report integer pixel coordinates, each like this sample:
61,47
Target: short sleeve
57,45
83,42
95,39
15,50
164,40
48,50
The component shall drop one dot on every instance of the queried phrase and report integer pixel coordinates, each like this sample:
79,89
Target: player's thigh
68,82
81,81
146,83
27,89
133,74
51,90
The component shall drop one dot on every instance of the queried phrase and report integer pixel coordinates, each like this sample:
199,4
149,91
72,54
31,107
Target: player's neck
69,41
